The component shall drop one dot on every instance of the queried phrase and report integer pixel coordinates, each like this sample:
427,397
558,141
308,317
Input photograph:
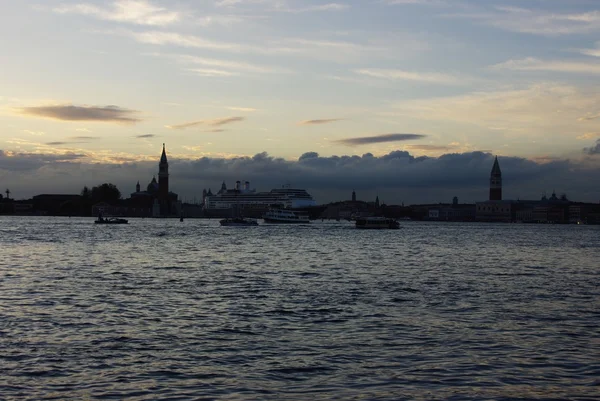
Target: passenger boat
376,223
238,222
110,220
286,216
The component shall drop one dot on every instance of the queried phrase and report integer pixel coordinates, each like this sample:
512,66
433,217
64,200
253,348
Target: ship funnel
237,185
247,186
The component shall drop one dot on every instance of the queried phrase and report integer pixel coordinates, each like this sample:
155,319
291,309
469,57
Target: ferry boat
286,216
376,223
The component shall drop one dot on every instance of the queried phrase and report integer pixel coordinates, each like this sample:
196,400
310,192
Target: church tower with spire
496,182
163,177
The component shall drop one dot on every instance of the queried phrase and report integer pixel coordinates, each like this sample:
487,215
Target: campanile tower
496,182
163,176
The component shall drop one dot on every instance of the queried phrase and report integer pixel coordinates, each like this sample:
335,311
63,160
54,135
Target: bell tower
496,182
163,176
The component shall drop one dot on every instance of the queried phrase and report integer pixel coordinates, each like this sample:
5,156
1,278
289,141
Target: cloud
337,51
83,138
417,2
397,176
545,110
328,7
535,22
177,39
224,20
219,67
281,6
401,75
589,117
145,136
595,52
83,113
36,133
26,161
215,122
533,64
316,8
139,12
223,121
588,135
206,72
594,150
73,140
379,139
318,122
197,148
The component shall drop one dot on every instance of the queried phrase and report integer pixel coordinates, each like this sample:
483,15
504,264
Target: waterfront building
584,213
56,204
496,210
444,212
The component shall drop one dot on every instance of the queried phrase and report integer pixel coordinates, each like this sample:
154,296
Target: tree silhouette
105,193
85,193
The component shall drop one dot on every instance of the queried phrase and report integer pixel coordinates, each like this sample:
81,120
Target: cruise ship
251,202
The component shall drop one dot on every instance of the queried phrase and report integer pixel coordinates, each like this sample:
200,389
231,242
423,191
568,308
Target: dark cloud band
83,113
396,177
215,123
318,122
365,140
593,150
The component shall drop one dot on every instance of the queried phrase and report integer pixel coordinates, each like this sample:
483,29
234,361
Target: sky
408,100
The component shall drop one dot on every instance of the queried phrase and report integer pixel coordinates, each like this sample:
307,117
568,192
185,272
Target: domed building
157,200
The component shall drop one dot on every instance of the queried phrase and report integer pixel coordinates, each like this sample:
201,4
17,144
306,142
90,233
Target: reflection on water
160,309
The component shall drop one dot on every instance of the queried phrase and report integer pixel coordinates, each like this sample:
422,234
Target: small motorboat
376,223
110,220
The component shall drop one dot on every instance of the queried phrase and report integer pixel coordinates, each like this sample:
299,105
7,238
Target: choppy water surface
160,309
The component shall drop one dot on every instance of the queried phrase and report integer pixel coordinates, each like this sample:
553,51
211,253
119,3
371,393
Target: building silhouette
496,209
163,181
496,182
157,200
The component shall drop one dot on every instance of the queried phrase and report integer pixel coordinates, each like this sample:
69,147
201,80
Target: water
160,309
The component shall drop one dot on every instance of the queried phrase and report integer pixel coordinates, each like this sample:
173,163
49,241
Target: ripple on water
164,310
